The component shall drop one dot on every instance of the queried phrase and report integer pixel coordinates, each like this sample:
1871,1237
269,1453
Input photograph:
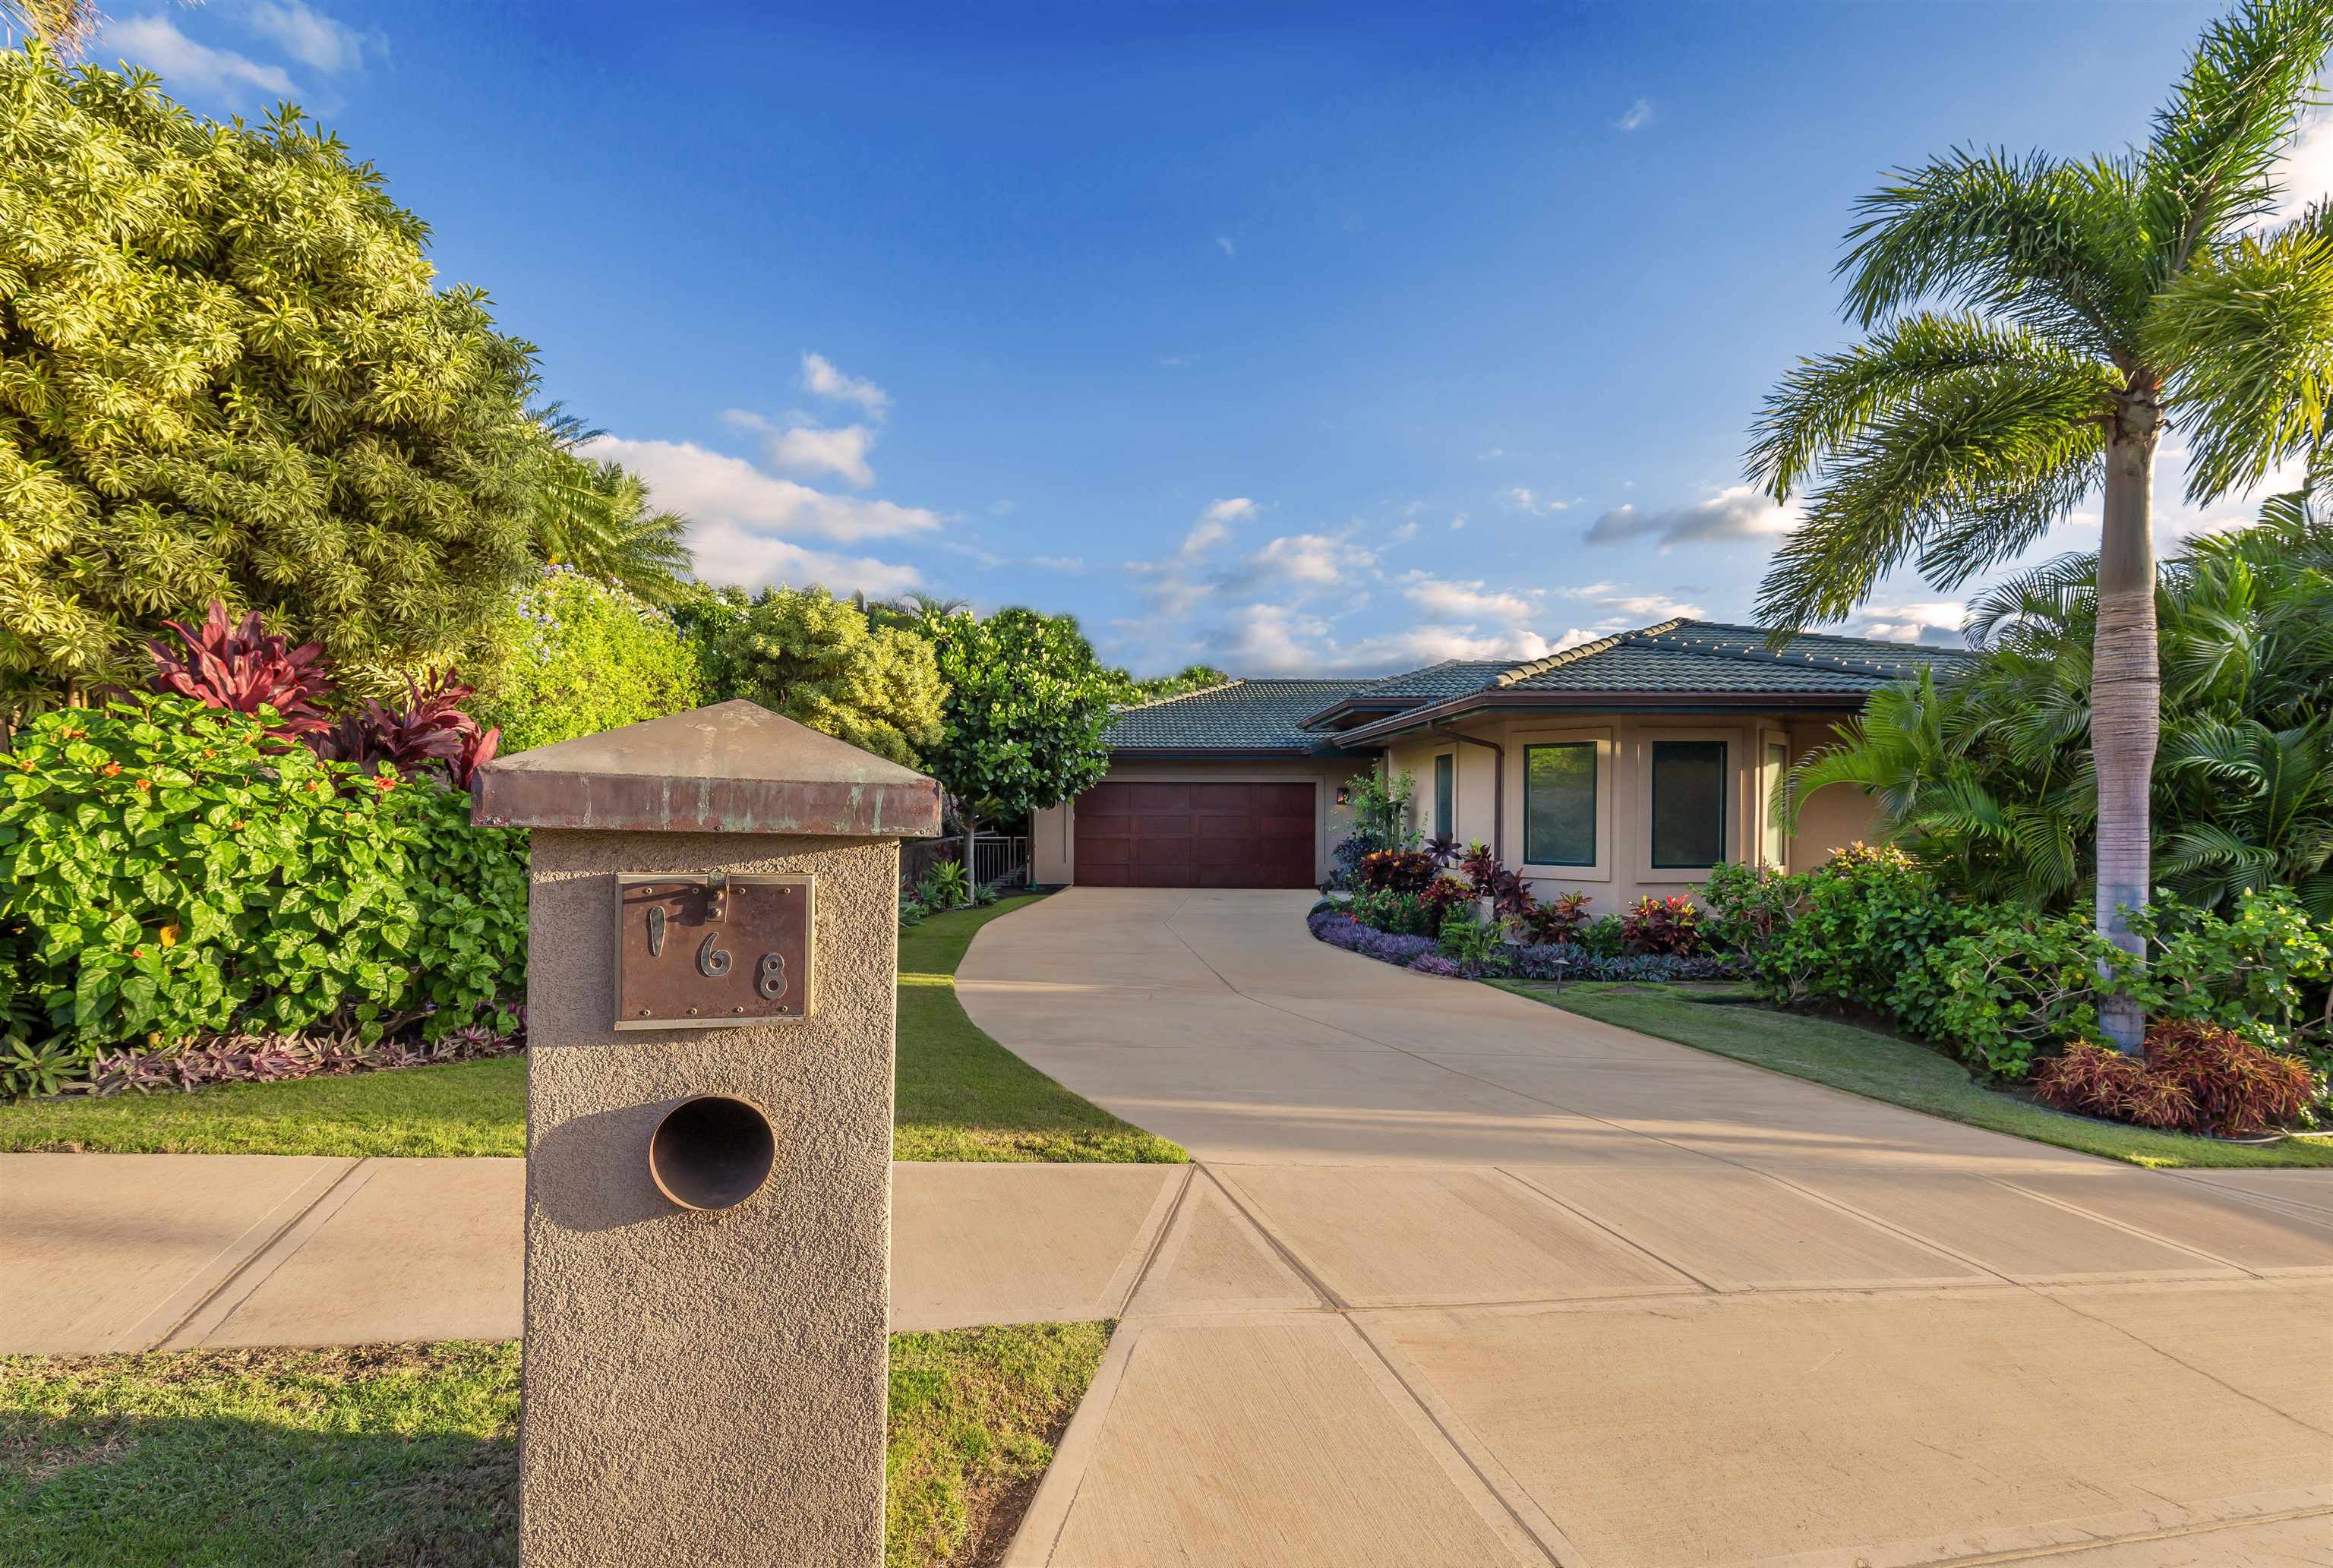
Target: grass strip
1884,1067
409,1454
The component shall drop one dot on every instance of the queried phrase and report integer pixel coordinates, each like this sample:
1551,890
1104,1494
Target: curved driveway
1462,1278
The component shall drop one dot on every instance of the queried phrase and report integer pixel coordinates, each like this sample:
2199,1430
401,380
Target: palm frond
2245,334
2210,165
1964,471
2053,245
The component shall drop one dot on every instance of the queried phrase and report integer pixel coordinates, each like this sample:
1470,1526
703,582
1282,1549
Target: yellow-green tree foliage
225,373
815,658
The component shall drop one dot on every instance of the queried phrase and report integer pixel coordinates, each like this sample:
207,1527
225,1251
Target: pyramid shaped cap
732,768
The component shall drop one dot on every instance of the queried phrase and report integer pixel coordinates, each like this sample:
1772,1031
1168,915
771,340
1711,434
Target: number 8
770,981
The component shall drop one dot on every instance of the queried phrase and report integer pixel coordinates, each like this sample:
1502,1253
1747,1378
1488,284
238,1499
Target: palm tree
594,516
2087,303
67,26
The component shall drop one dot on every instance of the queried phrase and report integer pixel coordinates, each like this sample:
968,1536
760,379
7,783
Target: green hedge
166,871
2000,984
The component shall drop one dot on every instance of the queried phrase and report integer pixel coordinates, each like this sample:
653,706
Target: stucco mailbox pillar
711,946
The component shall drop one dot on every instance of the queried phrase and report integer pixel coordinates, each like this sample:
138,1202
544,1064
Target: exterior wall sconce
1344,794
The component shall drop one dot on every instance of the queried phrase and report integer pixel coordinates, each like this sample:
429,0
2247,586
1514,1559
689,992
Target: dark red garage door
1195,836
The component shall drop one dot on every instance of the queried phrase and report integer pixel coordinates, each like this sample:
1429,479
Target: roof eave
1621,701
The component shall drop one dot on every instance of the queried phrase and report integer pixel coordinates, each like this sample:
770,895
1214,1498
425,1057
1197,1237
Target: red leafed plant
1510,895
2196,1077
431,729
1396,871
1557,920
1670,924
241,665
1445,896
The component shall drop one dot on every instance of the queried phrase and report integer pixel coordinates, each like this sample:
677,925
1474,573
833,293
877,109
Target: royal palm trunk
2125,705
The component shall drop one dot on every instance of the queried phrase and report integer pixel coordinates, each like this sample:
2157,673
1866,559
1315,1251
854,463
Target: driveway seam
1304,1271
2178,1532
1536,1191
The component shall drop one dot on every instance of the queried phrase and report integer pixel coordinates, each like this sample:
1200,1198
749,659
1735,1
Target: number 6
712,961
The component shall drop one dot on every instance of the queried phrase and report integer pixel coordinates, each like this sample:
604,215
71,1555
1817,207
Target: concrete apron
1462,1281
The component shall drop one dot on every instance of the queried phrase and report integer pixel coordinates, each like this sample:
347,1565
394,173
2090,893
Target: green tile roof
1238,716
1672,657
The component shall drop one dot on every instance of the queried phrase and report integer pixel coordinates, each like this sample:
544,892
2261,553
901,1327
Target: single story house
1624,766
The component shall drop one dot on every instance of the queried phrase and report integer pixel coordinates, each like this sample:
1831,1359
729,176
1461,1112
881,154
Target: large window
1445,792
1560,804
1688,803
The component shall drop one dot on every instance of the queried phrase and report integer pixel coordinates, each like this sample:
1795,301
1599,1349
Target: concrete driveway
1464,1279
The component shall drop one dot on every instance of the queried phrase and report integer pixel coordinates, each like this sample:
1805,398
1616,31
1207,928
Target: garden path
1461,1279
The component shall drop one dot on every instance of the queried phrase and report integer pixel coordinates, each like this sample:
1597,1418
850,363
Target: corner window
1688,803
1560,804
1445,769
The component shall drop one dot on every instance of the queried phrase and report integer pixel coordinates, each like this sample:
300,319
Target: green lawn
468,1108
1883,1068
961,1096
407,1454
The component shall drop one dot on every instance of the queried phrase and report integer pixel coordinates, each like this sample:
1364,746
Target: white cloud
1068,563
1733,513
1521,499
2304,172
308,36
1637,116
1215,525
1174,362
1313,559
1457,522
1225,243
1474,599
1270,639
1000,507
817,449
1624,610
728,552
710,486
1403,535
1931,621
819,375
156,44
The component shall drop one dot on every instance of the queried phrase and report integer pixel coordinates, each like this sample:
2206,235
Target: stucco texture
706,1389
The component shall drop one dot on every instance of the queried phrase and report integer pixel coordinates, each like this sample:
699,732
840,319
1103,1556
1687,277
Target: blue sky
1294,341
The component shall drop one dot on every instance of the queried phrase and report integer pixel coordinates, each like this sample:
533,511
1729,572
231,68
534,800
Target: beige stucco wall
1623,871
1052,841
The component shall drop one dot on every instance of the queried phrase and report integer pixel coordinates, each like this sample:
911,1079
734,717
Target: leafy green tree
225,374
2095,300
64,26
816,659
595,516
1027,704
578,655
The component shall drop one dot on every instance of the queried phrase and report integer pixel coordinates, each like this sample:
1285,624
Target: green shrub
2023,983
1472,940
1401,913
166,871
1606,936
2248,972
577,656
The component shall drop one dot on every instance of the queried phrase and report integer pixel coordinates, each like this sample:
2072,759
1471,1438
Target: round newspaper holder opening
712,1151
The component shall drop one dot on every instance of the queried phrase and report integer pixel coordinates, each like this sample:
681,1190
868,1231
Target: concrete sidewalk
122,1252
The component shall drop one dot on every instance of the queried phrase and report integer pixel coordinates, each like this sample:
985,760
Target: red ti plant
1445,896
1397,870
1510,895
2196,1077
1558,920
431,729
1662,925
240,665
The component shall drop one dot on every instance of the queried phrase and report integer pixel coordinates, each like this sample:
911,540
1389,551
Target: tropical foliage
1986,779
169,870
1125,691
818,660
2086,305
577,655
227,373
595,517
1022,723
